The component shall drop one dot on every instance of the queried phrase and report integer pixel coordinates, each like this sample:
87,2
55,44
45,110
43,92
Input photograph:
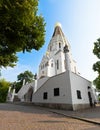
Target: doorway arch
30,94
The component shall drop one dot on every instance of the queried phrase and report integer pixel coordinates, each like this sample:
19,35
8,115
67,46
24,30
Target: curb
76,117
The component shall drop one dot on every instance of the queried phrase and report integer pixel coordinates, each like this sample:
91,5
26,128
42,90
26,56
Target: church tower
54,61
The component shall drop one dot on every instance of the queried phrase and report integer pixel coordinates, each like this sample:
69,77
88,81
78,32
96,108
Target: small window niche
57,64
56,92
51,64
50,48
89,87
59,45
45,95
79,94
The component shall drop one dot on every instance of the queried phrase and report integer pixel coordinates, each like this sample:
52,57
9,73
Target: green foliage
96,49
97,82
21,29
18,86
8,60
27,76
96,66
4,85
99,98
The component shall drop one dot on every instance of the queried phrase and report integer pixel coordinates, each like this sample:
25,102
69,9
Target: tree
4,85
21,29
27,76
96,66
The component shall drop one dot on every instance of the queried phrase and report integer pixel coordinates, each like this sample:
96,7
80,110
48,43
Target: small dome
58,24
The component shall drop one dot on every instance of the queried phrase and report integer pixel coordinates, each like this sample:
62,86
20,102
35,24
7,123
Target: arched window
51,64
59,45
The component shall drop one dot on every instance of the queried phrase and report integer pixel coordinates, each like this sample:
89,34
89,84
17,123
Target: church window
79,94
51,64
56,91
89,87
57,64
59,45
42,72
45,95
47,63
50,48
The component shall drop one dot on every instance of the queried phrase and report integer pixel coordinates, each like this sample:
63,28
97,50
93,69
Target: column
67,61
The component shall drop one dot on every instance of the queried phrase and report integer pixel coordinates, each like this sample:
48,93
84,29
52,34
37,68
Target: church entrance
90,99
29,95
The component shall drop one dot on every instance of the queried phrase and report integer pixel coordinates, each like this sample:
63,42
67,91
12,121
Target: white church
58,83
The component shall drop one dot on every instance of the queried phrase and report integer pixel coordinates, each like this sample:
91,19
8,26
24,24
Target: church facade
58,83
53,62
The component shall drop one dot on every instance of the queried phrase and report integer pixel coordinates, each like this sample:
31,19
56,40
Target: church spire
58,30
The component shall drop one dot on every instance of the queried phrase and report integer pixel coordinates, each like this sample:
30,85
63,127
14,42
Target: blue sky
80,21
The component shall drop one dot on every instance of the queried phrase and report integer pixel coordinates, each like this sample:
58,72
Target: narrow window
57,64
51,64
56,91
45,95
79,94
47,63
59,45
89,87
50,48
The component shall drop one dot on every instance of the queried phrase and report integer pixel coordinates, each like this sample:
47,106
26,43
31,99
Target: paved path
20,117
91,114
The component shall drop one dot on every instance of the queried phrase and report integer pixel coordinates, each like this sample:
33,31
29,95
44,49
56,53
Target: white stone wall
68,83
51,68
81,84
60,57
60,81
41,81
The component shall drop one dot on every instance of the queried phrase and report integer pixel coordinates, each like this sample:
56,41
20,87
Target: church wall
61,59
60,81
51,68
43,70
79,88
41,81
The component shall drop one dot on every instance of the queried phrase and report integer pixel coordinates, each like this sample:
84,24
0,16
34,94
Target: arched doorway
90,99
29,94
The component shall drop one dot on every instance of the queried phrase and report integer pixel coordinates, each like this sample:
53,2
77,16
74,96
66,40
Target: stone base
73,107
56,106
80,106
